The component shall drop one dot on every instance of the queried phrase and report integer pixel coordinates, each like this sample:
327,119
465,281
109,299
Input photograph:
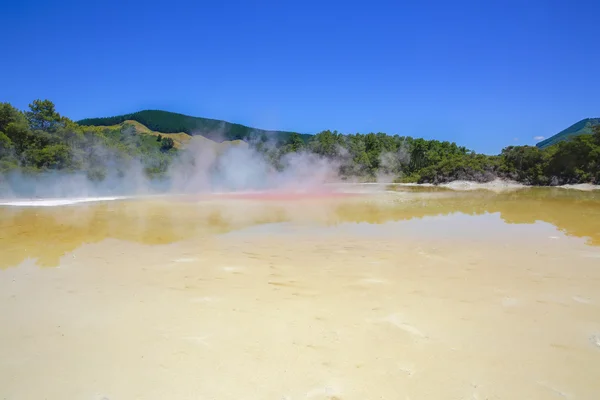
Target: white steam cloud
202,167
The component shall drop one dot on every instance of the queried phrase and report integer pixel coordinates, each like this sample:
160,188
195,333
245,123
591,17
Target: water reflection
575,213
47,234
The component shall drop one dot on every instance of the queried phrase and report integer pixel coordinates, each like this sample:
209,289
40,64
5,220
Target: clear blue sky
485,74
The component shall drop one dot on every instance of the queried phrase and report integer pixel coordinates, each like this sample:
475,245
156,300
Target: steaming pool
385,293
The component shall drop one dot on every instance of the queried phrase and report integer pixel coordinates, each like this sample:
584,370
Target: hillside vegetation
180,140
583,127
169,122
41,140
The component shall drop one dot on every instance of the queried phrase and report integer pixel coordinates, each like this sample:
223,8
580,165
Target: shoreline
461,185
340,188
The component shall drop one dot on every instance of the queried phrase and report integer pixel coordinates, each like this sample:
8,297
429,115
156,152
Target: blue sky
485,74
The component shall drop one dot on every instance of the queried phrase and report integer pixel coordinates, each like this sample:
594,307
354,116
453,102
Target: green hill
582,127
169,122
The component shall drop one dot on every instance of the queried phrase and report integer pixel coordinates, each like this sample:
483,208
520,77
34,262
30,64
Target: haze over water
410,293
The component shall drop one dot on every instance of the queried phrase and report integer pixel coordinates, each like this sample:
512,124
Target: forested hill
41,140
170,122
580,128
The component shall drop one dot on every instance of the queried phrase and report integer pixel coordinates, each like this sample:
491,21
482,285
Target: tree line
40,139
416,160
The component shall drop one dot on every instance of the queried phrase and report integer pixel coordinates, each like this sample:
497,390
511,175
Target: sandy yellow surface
437,295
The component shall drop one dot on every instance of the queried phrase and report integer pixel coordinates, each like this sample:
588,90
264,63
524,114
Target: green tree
575,160
5,144
525,164
14,125
596,133
327,143
42,115
55,156
294,143
166,144
7,158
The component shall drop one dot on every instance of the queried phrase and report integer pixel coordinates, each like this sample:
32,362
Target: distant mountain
169,122
180,139
582,127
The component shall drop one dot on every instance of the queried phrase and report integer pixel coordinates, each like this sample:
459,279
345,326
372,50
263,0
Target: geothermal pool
408,293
